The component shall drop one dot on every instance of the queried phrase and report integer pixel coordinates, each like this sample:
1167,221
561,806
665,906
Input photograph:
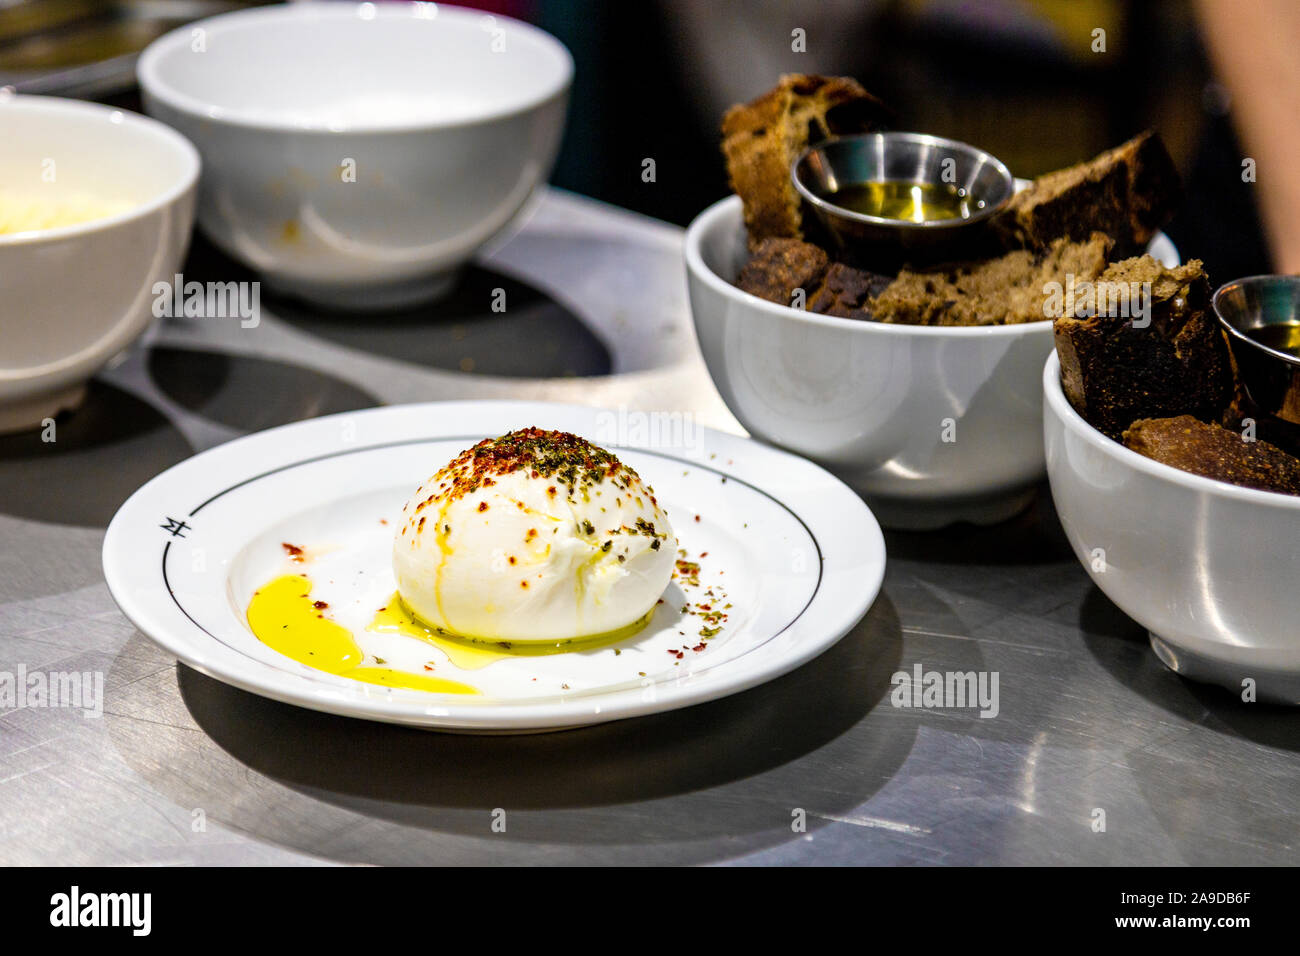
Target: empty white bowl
1208,568
76,295
356,155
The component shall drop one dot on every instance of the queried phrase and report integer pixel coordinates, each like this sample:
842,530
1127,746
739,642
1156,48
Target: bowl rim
85,111
827,208
1235,333
729,208
153,85
1055,401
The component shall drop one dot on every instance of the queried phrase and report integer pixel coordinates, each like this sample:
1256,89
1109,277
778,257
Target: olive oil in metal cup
903,193
1261,315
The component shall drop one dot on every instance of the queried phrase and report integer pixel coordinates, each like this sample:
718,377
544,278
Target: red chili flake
420,526
482,506
319,605
294,551
704,554
511,559
428,667
697,517
523,584
383,521
559,455
699,647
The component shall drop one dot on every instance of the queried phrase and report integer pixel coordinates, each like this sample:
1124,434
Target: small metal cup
901,157
1271,376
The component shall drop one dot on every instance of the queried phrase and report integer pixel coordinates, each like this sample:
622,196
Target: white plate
800,558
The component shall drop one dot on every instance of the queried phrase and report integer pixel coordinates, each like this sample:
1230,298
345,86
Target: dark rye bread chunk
761,140
1213,451
848,292
1114,374
780,266
1010,289
1128,193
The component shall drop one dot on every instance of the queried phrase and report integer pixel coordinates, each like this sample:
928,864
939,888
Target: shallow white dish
1207,567
799,556
872,402
72,297
356,155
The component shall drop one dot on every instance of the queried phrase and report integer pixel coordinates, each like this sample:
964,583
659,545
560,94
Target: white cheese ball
534,536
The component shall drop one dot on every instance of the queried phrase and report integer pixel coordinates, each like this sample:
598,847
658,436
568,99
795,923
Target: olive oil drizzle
284,618
906,201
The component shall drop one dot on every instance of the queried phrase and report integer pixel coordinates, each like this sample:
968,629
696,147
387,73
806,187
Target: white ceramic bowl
1208,568
870,401
932,425
74,296
357,155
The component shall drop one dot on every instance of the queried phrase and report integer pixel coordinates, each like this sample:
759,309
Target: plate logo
177,528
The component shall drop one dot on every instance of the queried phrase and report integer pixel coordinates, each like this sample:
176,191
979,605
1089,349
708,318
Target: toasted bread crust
1128,193
1008,290
1213,451
762,138
1114,374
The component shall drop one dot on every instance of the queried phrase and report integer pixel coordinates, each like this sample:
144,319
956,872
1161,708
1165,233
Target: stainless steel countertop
183,769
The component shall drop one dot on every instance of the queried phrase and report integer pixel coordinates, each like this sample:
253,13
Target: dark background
1019,78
